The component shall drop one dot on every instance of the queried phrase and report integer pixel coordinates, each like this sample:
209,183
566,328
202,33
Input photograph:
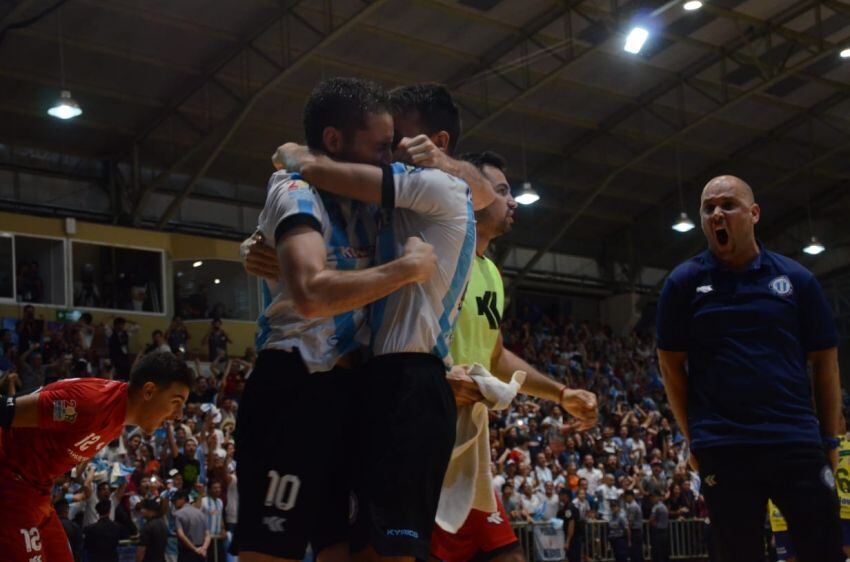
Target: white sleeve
289,203
429,192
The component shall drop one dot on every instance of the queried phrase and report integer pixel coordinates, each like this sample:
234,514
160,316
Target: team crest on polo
782,286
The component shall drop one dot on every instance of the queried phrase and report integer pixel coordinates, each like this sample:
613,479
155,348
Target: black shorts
292,442
737,482
406,435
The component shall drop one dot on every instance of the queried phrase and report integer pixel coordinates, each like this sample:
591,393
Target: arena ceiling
184,101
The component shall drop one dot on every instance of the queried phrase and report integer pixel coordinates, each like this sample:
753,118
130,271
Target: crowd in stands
181,479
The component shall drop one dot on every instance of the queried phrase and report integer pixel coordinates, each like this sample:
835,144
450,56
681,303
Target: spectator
511,503
608,494
157,343
542,472
213,508
153,537
573,527
102,538
74,532
29,329
192,532
216,340
551,502
590,473
618,533
186,462
659,533
119,348
177,336
634,514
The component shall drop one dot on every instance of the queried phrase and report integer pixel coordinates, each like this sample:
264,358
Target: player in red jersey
45,434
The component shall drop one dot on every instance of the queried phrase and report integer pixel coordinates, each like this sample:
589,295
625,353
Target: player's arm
421,151
319,291
172,442
579,403
366,183
184,539
20,411
826,385
571,529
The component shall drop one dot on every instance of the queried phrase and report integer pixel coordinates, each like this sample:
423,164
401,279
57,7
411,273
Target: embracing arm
579,403
322,292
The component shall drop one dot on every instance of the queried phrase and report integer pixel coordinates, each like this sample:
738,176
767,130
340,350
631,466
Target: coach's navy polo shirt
746,334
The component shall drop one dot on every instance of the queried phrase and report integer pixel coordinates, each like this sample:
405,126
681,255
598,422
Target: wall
175,246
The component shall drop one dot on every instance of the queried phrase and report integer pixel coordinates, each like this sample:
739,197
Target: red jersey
77,418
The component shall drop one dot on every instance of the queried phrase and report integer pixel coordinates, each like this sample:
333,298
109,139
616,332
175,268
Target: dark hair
60,504
86,317
163,369
433,104
103,507
342,103
150,504
181,495
486,158
118,321
155,332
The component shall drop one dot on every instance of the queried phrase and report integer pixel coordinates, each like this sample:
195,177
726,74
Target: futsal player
47,433
737,325
478,339
406,406
297,406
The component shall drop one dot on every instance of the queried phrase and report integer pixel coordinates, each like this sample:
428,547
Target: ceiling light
198,263
66,107
814,247
528,195
692,5
684,224
216,281
845,54
635,40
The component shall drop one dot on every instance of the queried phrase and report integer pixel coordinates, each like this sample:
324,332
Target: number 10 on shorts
283,490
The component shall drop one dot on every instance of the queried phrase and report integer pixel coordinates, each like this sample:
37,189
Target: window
214,289
6,269
117,278
39,270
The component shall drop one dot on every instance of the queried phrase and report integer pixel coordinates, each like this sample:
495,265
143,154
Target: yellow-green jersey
842,477
777,521
477,327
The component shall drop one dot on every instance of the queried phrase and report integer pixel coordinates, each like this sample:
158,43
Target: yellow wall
175,246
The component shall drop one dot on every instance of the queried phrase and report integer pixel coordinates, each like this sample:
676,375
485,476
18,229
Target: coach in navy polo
737,326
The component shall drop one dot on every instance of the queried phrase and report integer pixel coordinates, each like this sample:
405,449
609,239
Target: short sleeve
76,405
818,326
429,192
672,318
178,522
290,202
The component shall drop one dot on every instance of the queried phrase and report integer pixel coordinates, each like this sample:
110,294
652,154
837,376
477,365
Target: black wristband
7,410
387,188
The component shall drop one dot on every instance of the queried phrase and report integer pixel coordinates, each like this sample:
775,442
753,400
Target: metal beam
243,112
572,217
174,108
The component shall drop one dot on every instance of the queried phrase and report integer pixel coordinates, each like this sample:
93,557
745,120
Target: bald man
738,327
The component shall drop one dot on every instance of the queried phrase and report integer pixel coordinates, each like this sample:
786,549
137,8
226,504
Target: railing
687,541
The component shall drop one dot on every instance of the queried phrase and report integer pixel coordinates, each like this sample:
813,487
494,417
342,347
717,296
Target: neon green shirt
480,315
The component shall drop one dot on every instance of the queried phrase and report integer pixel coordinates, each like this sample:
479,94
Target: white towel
468,483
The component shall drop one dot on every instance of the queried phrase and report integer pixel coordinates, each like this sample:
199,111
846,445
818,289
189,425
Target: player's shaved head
736,184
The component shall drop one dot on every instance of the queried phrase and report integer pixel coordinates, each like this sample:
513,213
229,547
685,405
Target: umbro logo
704,289
711,480
275,524
495,518
487,306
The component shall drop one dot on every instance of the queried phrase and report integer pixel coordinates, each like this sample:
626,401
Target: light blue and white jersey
349,229
213,509
436,207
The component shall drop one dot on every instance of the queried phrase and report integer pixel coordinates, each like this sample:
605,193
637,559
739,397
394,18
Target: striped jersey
436,207
212,508
349,229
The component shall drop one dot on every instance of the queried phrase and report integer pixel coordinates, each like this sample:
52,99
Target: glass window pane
118,278
214,289
40,270
6,270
